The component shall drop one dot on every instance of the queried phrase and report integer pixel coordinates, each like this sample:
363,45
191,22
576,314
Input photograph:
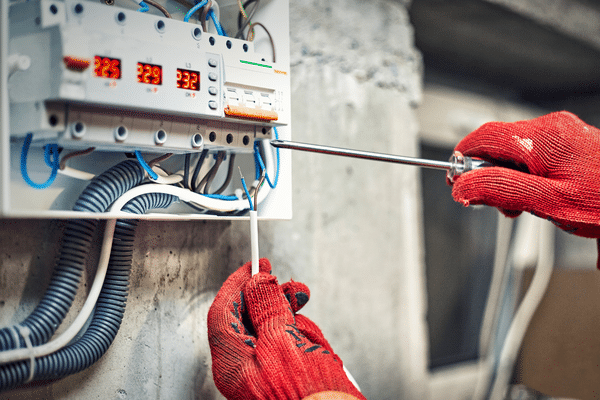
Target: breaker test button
212,90
212,105
213,76
212,62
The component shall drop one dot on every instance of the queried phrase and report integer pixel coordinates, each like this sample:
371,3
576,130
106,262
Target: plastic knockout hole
120,133
197,141
229,138
197,33
160,136
78,130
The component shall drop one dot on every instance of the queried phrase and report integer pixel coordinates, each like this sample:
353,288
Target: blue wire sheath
143,7
221,197
247,194
51,159
260,165
146,167
220,29
193,10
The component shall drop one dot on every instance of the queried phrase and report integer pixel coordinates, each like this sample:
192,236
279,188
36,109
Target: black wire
197,169
211,174
243,24
229,175
186,171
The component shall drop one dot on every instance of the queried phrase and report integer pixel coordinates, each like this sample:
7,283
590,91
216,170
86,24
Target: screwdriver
455,166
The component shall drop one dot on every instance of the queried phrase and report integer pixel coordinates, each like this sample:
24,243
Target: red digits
179,78
194,81
97,66
186,80
115,69
156,74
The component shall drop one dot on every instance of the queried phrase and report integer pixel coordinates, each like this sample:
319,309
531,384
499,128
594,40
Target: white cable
254,240
86,176
65,337
522,318
77,174
493,305
18,62
196,198
165,179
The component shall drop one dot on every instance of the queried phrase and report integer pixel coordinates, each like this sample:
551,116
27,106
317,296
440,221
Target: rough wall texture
354,238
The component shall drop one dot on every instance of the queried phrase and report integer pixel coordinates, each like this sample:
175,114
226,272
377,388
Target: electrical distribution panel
118,80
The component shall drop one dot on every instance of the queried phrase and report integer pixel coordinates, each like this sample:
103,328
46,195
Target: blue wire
146,167
50,158
193,10
220,29
258,161
221,197
144,7
247,194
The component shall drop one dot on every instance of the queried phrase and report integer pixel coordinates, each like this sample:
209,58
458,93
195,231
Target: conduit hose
52,309
109,311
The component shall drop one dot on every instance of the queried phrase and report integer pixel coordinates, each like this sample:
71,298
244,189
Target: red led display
149,73
187,79
106,67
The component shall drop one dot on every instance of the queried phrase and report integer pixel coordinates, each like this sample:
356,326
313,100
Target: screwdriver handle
460,164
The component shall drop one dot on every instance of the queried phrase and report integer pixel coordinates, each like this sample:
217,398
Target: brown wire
152,163
204,14
159,6
63,161
268,33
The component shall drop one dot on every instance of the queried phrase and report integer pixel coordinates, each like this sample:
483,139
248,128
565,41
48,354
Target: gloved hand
561,157
262,349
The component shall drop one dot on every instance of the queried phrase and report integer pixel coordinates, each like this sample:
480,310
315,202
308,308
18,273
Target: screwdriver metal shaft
367,155
457,165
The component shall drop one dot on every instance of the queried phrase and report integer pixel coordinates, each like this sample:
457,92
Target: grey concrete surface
354,238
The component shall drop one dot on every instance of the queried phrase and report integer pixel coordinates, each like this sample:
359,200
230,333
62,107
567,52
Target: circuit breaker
121,81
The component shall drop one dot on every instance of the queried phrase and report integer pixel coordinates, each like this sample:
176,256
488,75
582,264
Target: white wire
254,240
493,304
522,318
86,176
64,338
77,174
164,178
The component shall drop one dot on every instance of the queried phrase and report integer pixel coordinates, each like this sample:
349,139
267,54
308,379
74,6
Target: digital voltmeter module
111,78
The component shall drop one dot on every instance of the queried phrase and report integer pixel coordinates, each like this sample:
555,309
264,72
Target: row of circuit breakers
117,79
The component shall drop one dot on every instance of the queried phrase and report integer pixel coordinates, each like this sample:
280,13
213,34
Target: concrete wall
355,237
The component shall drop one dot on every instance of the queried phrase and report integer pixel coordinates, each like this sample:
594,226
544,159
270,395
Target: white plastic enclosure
119,80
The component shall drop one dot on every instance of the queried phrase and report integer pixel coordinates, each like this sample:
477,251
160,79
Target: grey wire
240,32
206,181
229,175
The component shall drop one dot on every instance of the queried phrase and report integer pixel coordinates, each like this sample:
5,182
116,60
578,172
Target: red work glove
262,349
561,155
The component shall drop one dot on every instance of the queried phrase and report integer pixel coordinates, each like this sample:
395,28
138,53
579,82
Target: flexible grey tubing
64,338
522,318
